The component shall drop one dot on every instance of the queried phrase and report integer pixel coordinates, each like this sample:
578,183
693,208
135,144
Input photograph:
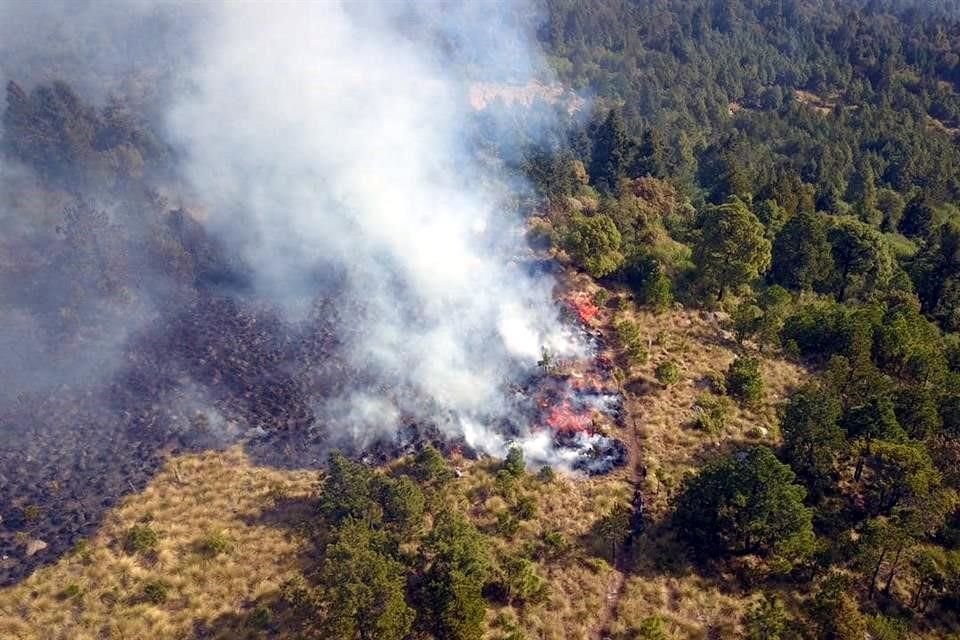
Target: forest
785,171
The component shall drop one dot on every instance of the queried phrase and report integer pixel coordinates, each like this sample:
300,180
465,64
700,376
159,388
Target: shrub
429,465
260,618
521,581
71,592
507,524
601,297
140,538
766,620
213,543
712,413
514,463
32,513
668,373
651,629
546,474
629,334
156,591
744,380
526,508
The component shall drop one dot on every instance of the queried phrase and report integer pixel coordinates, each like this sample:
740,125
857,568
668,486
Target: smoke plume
329,148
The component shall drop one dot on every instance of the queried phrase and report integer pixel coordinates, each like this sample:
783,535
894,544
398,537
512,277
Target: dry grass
96,592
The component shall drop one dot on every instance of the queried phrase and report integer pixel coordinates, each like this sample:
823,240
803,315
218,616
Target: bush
712,413
429,465
71,592
766,620
507,524
744,380
601,297
140,538
514,463
546,474
260,618
521,581
629,334
668,373
526,508
213,543
156,591
651,629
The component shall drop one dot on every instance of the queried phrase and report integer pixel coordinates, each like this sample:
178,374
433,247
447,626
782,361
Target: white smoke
326,142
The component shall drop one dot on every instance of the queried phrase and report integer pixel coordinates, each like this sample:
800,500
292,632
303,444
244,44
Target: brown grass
193,496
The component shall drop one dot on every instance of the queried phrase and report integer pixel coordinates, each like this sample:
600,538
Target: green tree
514,463
365,589
918,217
611,152
812,438
936,272
745,380
402,502
862,192
863,261
613,528
747,502
458,567
901,472
802,258
835,612
594,243
732,250
891,206
347,490
430,466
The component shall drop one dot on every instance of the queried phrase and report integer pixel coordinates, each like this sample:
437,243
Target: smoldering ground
290,244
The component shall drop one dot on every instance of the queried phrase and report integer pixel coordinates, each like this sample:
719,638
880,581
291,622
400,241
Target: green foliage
711,412
429,466
526,507
260,618
835,612
667,373
214,542
732,249
514,464
451,601
364,588
884,628
901,473
155,591
546,474
594,243
745,503
347,490
521,582
812,438
863,263
140,538
918,217
766,619
403,504
613,528
802,257
651,628
745,380
628,332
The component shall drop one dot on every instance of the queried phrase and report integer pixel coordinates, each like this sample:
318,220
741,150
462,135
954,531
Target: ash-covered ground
213,370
